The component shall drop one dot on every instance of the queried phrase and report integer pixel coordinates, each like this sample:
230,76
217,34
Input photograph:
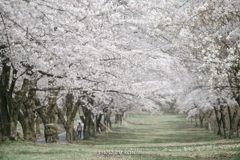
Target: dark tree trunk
117,118
65,125
121,119
71,113
27,116
69,107
64,108
51,118
206,125
75,135
48,114
98,121
201,121
238,129
28,127
201,118
92,127
107,118
223,122
1,129
232,120
21,119
195,120
5,115
208,121
38,125
87,122
238,125
230,123
16,104
218,122
215,127
51,133
107,121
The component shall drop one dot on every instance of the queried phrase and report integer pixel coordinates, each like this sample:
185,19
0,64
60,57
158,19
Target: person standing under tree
79,129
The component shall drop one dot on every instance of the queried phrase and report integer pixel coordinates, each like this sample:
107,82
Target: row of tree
134,53
27,107
210,36
218,112
88,52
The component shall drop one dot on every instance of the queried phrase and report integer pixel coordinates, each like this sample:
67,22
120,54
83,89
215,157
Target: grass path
156,137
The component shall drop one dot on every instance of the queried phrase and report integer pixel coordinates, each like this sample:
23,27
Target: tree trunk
47,128
201,123
218,122
69,107
107,121
65,125
48,115
230,123
117,118
5,115
206,125
238,125
107,118
71,113
232,120
92,127
27,116
1,129
86,121
195,120
209,126
98,120
13,134
55,119
64,107
215,127
191,120
201,118
51,133
223,122
121,119
16,104
75,135
238,129
69,133
27,124
208,121
21,119
38,125
219,129
52,114
31,125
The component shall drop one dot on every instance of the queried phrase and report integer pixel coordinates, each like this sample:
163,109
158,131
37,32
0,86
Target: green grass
157,137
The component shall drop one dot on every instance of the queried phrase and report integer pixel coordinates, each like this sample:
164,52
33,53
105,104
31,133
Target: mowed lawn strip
156,137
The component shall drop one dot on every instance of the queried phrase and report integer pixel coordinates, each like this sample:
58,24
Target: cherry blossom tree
212,29
100,47
207,43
